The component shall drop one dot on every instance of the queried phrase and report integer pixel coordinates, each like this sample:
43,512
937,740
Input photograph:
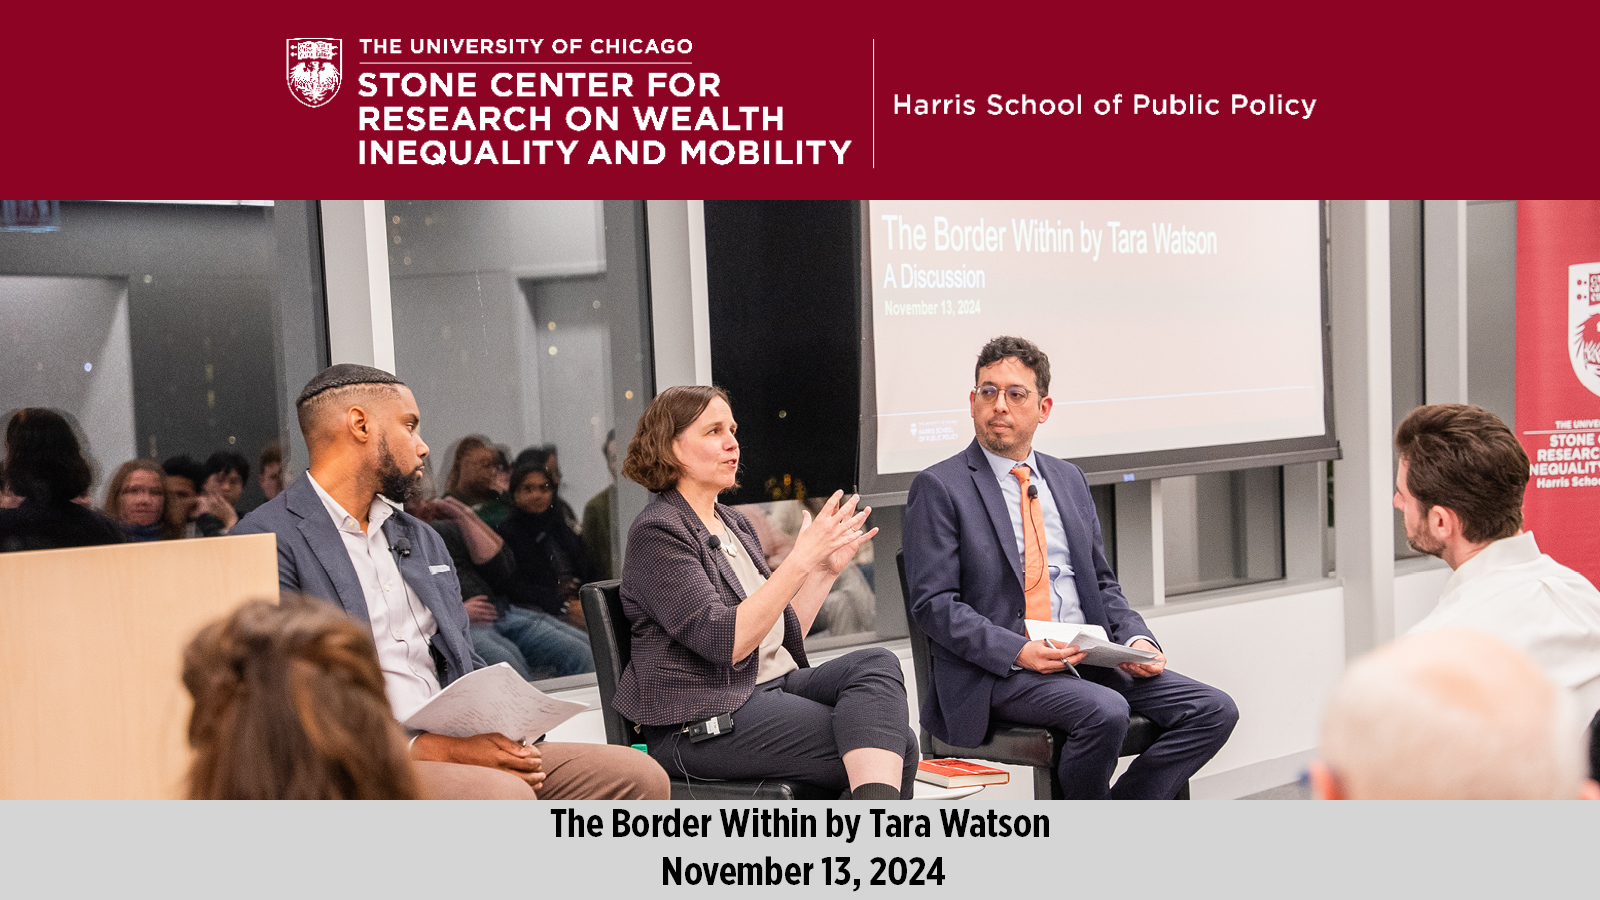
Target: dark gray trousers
798,728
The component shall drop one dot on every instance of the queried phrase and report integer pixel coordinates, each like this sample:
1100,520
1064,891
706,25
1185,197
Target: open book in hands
1089,638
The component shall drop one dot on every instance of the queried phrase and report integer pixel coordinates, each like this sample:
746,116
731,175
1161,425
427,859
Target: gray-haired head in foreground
1451,715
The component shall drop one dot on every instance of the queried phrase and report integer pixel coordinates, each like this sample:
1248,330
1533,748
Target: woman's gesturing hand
831,540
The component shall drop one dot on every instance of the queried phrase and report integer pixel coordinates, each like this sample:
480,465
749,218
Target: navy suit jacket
312,561
965,578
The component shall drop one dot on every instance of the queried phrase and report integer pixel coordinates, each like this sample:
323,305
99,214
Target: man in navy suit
345,538
999,533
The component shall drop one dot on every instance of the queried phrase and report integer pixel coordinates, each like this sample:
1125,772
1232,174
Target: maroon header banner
823,99
1558,374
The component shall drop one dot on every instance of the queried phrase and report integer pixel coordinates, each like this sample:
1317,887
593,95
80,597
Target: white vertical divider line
874,102
1379,522
699,295
380,303
1444,297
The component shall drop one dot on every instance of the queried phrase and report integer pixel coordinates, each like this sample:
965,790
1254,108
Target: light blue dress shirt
1064,605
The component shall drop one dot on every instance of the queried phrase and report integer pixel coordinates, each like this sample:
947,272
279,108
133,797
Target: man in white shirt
344,538
1460,484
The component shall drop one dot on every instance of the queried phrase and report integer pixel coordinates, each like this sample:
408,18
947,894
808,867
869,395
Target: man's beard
1423,542
393,483
996,443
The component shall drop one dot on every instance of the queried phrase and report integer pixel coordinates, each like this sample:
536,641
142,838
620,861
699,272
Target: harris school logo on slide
313,65
1583,323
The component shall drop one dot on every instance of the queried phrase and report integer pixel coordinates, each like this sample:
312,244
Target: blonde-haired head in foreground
1449,715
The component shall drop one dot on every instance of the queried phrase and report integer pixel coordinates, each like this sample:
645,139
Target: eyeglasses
1014,394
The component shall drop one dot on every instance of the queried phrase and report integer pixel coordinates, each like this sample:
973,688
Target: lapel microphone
1033,492
715,542
402,547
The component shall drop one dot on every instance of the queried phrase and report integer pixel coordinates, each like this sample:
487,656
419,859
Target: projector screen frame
890,490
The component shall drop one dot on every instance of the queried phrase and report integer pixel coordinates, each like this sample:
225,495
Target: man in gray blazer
343,537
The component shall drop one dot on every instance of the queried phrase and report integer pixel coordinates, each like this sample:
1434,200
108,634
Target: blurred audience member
45,467
551,562
226,474
1450,715
597,514
775,541
271,476
1461,477
545,458
502,471
533,643
289,704
474,468
851,606
136,499
195,513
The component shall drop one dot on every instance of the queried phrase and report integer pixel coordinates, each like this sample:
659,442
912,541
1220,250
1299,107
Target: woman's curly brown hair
289,704
651,461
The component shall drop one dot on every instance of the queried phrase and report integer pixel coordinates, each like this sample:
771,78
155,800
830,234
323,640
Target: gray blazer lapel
414,567
697,531
317,527
994,503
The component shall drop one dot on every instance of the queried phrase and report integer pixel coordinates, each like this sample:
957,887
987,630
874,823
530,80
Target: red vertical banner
1558,375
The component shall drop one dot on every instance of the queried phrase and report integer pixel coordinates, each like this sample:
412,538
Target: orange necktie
1035,583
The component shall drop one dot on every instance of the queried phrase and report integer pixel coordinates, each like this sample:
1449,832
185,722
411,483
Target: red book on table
956,773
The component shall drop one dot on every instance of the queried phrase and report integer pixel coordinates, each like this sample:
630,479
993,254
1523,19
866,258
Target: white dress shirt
401,625
1535,604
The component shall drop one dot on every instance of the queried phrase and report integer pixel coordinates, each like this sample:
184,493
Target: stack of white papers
1091,638
493,700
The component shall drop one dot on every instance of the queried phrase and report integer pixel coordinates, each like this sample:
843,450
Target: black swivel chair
1009,742
1594,747
612,643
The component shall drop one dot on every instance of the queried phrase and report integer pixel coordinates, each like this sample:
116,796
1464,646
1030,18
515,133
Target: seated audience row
144,500
530,640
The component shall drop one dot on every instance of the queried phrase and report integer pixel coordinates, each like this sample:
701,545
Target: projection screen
1183,336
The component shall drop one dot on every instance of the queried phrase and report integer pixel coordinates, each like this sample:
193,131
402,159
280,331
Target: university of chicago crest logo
314,69
1583,323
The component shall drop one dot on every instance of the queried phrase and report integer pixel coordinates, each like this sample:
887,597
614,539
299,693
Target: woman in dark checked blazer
715,631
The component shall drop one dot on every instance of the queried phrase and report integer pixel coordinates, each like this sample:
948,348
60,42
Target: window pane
512,322
161,329
1222,529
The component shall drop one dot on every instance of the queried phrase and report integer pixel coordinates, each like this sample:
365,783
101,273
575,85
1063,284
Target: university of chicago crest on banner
313,69
1583,323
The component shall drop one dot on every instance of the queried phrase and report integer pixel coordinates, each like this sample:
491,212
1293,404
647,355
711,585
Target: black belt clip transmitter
710,728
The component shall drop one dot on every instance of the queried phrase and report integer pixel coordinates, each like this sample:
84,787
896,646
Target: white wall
49,329
1417,584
